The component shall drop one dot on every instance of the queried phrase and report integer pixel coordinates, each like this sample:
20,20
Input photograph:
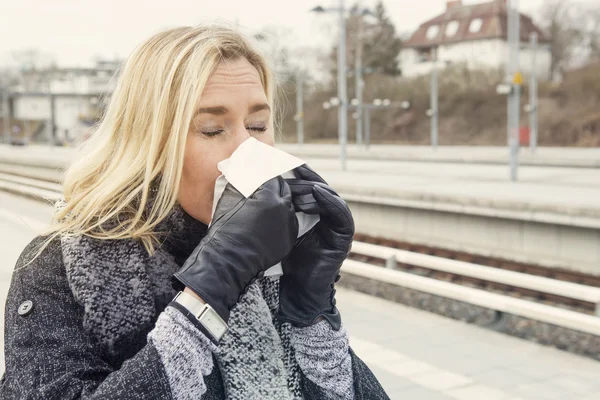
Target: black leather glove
307,286
247,236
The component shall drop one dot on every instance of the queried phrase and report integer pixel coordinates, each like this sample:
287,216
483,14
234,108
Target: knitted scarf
122,290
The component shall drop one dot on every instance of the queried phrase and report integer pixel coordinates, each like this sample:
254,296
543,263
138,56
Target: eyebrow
220,110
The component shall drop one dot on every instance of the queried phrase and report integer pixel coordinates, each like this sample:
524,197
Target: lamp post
434,100
358,71
359,80
299,108
342,89
533,96
514,77
6,115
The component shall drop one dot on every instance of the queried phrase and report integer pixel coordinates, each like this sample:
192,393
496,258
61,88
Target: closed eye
213,133
217,132
257,128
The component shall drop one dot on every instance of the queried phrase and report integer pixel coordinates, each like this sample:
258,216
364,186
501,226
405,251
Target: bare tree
591,32
33,59
382,44
559,18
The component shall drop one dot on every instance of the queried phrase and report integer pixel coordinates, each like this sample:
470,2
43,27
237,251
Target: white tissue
252,164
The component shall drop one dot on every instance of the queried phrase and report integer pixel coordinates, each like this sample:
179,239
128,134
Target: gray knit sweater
320,352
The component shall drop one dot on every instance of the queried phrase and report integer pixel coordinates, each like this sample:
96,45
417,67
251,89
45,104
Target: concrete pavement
567,191
415,355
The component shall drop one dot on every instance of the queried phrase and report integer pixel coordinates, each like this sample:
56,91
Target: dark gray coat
50,356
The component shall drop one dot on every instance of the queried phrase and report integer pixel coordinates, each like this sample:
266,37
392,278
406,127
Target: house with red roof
473,35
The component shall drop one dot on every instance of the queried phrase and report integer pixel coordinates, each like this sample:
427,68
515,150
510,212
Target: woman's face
232,108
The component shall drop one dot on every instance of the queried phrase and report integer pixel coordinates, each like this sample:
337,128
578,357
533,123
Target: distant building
98,79
471,35
61,103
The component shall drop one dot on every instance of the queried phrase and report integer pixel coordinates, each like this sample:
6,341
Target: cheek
197,181
267,138
200,163
197,173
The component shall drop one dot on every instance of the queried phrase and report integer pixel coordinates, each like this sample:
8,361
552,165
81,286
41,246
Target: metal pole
359,81
514,37
434,100
367,127
79,111
533,96
52,121
300,108
517,101
342,92
6,112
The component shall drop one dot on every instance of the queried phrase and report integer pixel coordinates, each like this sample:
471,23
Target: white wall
100,82
412,65
67,111
32,108
103,82
476,54
409,62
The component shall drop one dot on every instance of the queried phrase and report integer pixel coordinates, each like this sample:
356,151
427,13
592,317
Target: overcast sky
74,31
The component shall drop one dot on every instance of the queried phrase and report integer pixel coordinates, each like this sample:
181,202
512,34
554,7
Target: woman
93,310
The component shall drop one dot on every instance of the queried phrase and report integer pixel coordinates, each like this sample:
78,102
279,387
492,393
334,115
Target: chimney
453,3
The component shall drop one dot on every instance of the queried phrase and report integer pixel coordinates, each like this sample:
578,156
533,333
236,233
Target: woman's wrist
191,292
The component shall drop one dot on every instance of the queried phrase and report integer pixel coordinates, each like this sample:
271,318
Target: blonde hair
140,142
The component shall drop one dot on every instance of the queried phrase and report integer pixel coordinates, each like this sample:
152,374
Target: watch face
214,323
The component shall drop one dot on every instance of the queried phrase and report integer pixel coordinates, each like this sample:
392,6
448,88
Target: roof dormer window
451,28
475,25
433,31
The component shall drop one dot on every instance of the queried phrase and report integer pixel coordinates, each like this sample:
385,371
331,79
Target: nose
241,134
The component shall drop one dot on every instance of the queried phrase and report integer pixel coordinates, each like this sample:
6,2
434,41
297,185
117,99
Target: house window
451,28
424,55
475,25
432,32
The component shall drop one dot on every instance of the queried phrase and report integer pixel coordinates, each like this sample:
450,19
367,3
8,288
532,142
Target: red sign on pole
524,134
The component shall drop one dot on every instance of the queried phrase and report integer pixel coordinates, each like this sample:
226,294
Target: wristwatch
208,318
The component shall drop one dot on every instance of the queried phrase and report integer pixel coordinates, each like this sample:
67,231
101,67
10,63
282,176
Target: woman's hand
307,291
247,236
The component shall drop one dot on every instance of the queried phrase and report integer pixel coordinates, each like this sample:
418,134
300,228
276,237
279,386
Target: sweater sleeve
186,353
324,358
50,356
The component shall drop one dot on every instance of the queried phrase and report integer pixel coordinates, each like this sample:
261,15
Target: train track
509,265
